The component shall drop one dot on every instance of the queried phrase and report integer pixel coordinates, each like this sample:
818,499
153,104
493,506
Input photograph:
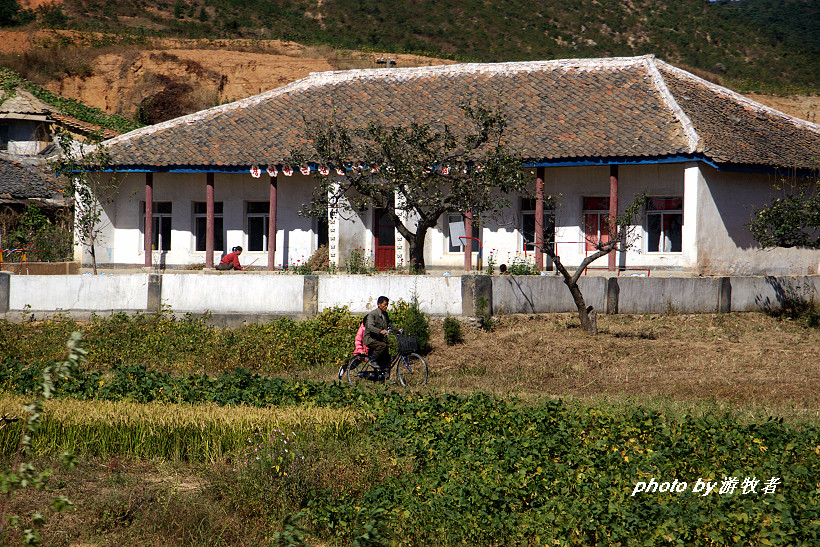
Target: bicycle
411,368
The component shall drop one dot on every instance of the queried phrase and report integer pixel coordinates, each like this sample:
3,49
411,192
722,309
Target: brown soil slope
120,78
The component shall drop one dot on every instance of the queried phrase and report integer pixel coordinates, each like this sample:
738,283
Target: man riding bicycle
376,324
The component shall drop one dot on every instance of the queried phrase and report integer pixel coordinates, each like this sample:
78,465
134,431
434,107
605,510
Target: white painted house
593,133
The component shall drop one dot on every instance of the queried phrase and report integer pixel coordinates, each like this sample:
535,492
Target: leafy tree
792,220
76,164
48,240
23,474
623,228
417,173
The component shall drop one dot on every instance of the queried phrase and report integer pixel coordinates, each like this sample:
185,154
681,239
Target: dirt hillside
198,74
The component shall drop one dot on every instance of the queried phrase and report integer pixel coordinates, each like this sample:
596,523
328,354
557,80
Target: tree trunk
93,258
584,313
416,244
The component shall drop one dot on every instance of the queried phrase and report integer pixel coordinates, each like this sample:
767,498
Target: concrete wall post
473,289
5,283
724,300
154,303
613,291
310,296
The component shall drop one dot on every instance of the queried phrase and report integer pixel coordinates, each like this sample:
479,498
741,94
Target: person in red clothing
231,260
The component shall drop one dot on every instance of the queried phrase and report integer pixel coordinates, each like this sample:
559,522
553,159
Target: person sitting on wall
231,260
376,324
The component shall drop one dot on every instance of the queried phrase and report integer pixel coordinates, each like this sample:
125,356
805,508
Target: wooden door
384,232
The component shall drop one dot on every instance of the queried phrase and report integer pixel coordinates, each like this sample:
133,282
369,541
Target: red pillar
149,218
539,219
272,224
613,211
468,243
209,221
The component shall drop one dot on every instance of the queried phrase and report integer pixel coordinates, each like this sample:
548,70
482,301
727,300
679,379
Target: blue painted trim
579,162
648,160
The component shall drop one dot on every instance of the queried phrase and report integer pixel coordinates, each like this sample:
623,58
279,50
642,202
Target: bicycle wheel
352,361
412,370
361,371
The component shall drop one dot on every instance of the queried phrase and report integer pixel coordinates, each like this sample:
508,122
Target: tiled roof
23,102
19,180
569,110
736,130
83,128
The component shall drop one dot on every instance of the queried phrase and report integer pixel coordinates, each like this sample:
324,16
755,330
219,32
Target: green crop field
169,454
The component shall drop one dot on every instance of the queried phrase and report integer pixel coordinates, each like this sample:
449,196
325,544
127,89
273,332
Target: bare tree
622,236
89,192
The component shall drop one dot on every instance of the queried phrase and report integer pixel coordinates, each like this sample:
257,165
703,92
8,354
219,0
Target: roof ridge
734,95
666,96
339,76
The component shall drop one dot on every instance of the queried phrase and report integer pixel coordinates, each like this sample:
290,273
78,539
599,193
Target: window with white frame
528,223
200,226
161,226
664,225
455,234
596,225
257,217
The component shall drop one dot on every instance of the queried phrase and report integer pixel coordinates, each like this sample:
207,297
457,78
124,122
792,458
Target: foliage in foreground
23,474
489,472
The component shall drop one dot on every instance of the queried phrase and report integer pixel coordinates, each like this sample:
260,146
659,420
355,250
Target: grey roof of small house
565,111
22,103
21,180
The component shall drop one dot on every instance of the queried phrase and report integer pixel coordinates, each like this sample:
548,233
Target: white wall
225,293
78,292
23,136
716,209
725,245
436,295
122,240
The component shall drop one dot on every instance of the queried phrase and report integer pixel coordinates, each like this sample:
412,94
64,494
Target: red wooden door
384,232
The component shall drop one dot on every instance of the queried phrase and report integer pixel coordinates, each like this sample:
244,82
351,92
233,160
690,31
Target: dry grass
748,361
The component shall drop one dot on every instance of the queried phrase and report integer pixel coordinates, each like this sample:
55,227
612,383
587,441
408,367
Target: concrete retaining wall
282,294
436,295
659,295
77,292
544,294
762,293
249,297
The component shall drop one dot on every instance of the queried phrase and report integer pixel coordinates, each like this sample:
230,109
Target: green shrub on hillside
9,80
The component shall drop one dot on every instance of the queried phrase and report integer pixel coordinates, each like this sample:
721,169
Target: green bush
188,344
408,316
486,321
452,331
521,266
